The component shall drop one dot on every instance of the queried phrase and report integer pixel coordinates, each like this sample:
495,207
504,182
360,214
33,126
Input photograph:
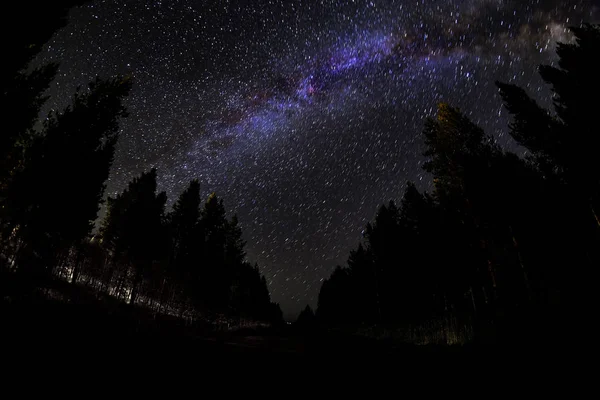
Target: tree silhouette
72,157
23,101
52,184
366,290
337,299
36,25
275,314
563,148
420,274
234,244
133,230
22,93
249,293
187,242
567,141
306,320
216,286
500,238
576,77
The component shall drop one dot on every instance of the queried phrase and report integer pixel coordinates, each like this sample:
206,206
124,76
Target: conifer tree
72,157
22,93
133,229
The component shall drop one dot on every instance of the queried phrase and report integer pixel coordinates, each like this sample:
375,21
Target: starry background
303,115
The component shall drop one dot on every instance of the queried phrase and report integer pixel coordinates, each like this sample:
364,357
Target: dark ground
80,332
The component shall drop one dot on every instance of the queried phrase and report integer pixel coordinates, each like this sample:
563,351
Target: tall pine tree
21,92
187,242
54,200
133,230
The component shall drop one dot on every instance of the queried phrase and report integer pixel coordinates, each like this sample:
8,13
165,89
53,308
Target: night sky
305,116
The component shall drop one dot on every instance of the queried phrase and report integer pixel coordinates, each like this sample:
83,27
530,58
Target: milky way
303,115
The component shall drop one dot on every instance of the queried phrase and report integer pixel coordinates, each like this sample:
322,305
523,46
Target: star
304,116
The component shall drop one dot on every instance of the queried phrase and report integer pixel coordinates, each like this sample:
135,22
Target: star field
303,115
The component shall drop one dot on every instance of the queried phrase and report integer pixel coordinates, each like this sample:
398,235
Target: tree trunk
134,290
525,276
76,268
135,286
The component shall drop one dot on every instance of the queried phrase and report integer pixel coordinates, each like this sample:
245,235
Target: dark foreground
82,331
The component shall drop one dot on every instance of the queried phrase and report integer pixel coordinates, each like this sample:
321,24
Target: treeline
190,258
499,236
52,183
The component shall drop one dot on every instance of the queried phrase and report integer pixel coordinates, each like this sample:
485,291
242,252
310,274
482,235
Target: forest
501,240
501,248
187,262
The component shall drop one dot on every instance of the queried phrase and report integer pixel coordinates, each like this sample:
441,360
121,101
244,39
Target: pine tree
459,155
569,141
275,314
337,301
234,244
572,83
72,157
418,277
187,241
306,319
455,145
564,150
22,93
133,229
250,293
22,103
35,25
215,227
217,282
533,127
366,277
